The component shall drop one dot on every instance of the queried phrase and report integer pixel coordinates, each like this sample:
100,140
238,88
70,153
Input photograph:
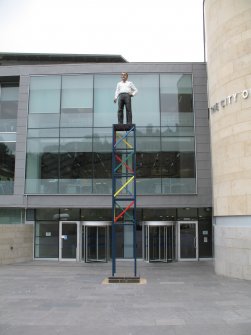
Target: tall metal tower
124,188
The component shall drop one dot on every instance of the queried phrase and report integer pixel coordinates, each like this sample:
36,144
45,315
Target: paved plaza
186,298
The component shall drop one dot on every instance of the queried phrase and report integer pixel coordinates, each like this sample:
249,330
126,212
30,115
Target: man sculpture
124,91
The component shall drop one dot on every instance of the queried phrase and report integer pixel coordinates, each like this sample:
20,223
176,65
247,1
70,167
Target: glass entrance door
188,240
68,240
95,237
158,241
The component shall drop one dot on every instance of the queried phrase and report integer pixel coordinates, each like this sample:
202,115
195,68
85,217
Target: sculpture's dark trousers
124,100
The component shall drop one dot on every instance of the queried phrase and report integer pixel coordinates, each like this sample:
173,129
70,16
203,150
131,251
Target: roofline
90,58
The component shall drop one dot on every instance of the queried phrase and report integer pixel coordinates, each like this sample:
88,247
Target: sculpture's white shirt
125,87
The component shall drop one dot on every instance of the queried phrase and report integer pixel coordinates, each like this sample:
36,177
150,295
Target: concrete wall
16,243
228,45
232,247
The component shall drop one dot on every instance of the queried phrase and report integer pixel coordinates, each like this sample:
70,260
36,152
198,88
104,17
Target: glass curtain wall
177,134
59,146
70,134
8,122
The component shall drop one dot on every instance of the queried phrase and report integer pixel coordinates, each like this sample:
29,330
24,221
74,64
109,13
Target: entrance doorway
69,240
187,240
95,241
159,237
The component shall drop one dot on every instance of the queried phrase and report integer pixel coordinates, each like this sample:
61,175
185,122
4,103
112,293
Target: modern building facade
228,45
56,116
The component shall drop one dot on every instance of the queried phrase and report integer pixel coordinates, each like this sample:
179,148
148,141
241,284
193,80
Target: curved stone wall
228,47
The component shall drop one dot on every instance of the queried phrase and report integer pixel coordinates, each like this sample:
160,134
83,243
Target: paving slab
48,297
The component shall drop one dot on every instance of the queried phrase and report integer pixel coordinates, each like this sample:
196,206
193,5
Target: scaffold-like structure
124,186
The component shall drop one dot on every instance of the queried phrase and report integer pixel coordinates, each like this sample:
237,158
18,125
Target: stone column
228,51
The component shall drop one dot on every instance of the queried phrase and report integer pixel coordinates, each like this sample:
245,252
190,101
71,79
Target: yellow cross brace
121,188
128,144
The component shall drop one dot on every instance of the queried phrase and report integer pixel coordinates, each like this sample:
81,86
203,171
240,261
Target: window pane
177,131
178,172
148,131
102,132
75,165
184,213
42,166
7,137
43,120
11,215
8,108
77,99
148,171
149,144
7,167
100,214
102,165
177,144
145,105
75,132
176,100
105,110
45,94
46,239
102,144
43,214
53,132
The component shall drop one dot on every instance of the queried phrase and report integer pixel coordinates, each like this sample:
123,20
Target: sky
139,30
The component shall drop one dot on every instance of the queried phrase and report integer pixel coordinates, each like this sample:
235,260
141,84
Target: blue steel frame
121,202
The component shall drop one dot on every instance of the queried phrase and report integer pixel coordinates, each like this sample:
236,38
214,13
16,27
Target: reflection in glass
75,132
96,243
102,172
53,132
148,171
81,164
69,240
12,215
45,94
8,107
43,120
46,239
76,101
178,172
105,110
187,240
177,131
42,165
145,105
75,165
176,100
7,167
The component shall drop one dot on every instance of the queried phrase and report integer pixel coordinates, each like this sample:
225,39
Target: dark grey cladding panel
201,130
203,139
199,67
99,68
201,121
50,201
199,105
203,162
21,135
198,89
203,165
202,156
12,201
199,80
200,96
203,147
204,173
